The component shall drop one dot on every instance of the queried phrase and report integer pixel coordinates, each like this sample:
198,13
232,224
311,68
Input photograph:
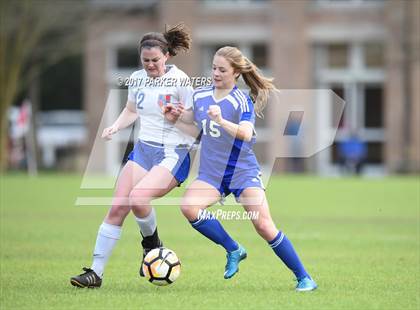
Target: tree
33,35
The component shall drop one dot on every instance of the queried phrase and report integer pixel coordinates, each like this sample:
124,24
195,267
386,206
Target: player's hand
109,131
215,113
172,112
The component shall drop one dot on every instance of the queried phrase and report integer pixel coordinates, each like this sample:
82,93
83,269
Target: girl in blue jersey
225,116
160,159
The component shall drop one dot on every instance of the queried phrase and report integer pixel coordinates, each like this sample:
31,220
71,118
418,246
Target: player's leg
110,230
157,183
131,174
170,167
254,200
197,198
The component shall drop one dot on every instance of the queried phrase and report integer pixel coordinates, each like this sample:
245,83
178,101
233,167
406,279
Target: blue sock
285,251
212,229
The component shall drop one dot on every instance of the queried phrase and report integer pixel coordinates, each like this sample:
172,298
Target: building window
374,153
337,56
260,55
360,83
374,55
238,4
374,111
127,58
347,3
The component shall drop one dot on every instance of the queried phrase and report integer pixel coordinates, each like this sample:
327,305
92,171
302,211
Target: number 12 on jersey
212,129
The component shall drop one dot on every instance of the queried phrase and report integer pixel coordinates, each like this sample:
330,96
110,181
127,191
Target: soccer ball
161,266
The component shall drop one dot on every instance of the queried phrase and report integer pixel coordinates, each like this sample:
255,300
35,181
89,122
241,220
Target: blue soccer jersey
222,155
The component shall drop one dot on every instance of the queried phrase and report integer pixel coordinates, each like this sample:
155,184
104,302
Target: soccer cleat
145,251
87,279
233,259
306,284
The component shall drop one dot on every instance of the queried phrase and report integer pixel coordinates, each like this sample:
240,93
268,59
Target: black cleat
88,279
149,243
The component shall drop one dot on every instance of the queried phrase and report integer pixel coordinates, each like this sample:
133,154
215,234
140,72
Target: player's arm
243,131
187,116
174,115
189,129
186,105
127,117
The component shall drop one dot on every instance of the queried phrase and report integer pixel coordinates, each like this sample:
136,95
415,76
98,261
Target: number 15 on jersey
212,129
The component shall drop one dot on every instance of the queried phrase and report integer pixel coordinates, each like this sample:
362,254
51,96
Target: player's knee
120,201
185,209
139,198
117,214
263,227
188,210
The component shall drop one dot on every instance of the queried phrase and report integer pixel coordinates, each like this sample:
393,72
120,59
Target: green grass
359,239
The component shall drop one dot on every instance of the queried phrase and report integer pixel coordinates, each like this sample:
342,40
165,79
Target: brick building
366,51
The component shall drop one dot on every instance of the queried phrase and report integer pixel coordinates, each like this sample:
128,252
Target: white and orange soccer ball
161,266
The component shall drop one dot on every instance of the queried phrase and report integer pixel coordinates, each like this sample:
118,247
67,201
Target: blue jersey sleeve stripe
245,101
244,98
233,101
248,104
239,99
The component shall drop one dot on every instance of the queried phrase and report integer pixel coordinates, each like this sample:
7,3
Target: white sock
108,235
147,224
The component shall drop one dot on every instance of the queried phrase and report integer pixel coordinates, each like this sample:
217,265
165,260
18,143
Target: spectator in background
352,153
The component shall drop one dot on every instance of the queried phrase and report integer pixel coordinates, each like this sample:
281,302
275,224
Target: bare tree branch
33,35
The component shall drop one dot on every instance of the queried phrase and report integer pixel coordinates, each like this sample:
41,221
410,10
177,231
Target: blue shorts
235,183
176,159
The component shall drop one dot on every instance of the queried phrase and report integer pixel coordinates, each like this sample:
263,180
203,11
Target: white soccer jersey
150,94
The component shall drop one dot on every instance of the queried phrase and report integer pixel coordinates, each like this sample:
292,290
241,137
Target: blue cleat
233,259
306,284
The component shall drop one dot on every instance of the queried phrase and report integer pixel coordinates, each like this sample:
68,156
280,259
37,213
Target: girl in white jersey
160,159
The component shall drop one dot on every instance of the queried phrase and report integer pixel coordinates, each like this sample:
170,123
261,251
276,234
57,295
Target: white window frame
351,79
349,4
233,5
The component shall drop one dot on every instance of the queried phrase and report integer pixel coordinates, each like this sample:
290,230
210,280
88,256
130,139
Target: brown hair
172,41
259,84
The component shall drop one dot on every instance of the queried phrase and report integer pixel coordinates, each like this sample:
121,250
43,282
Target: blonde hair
259,84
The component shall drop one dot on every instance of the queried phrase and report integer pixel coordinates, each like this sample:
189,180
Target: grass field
359,238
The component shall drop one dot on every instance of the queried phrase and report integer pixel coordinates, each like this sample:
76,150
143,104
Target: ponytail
260,86
178,39
172,41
